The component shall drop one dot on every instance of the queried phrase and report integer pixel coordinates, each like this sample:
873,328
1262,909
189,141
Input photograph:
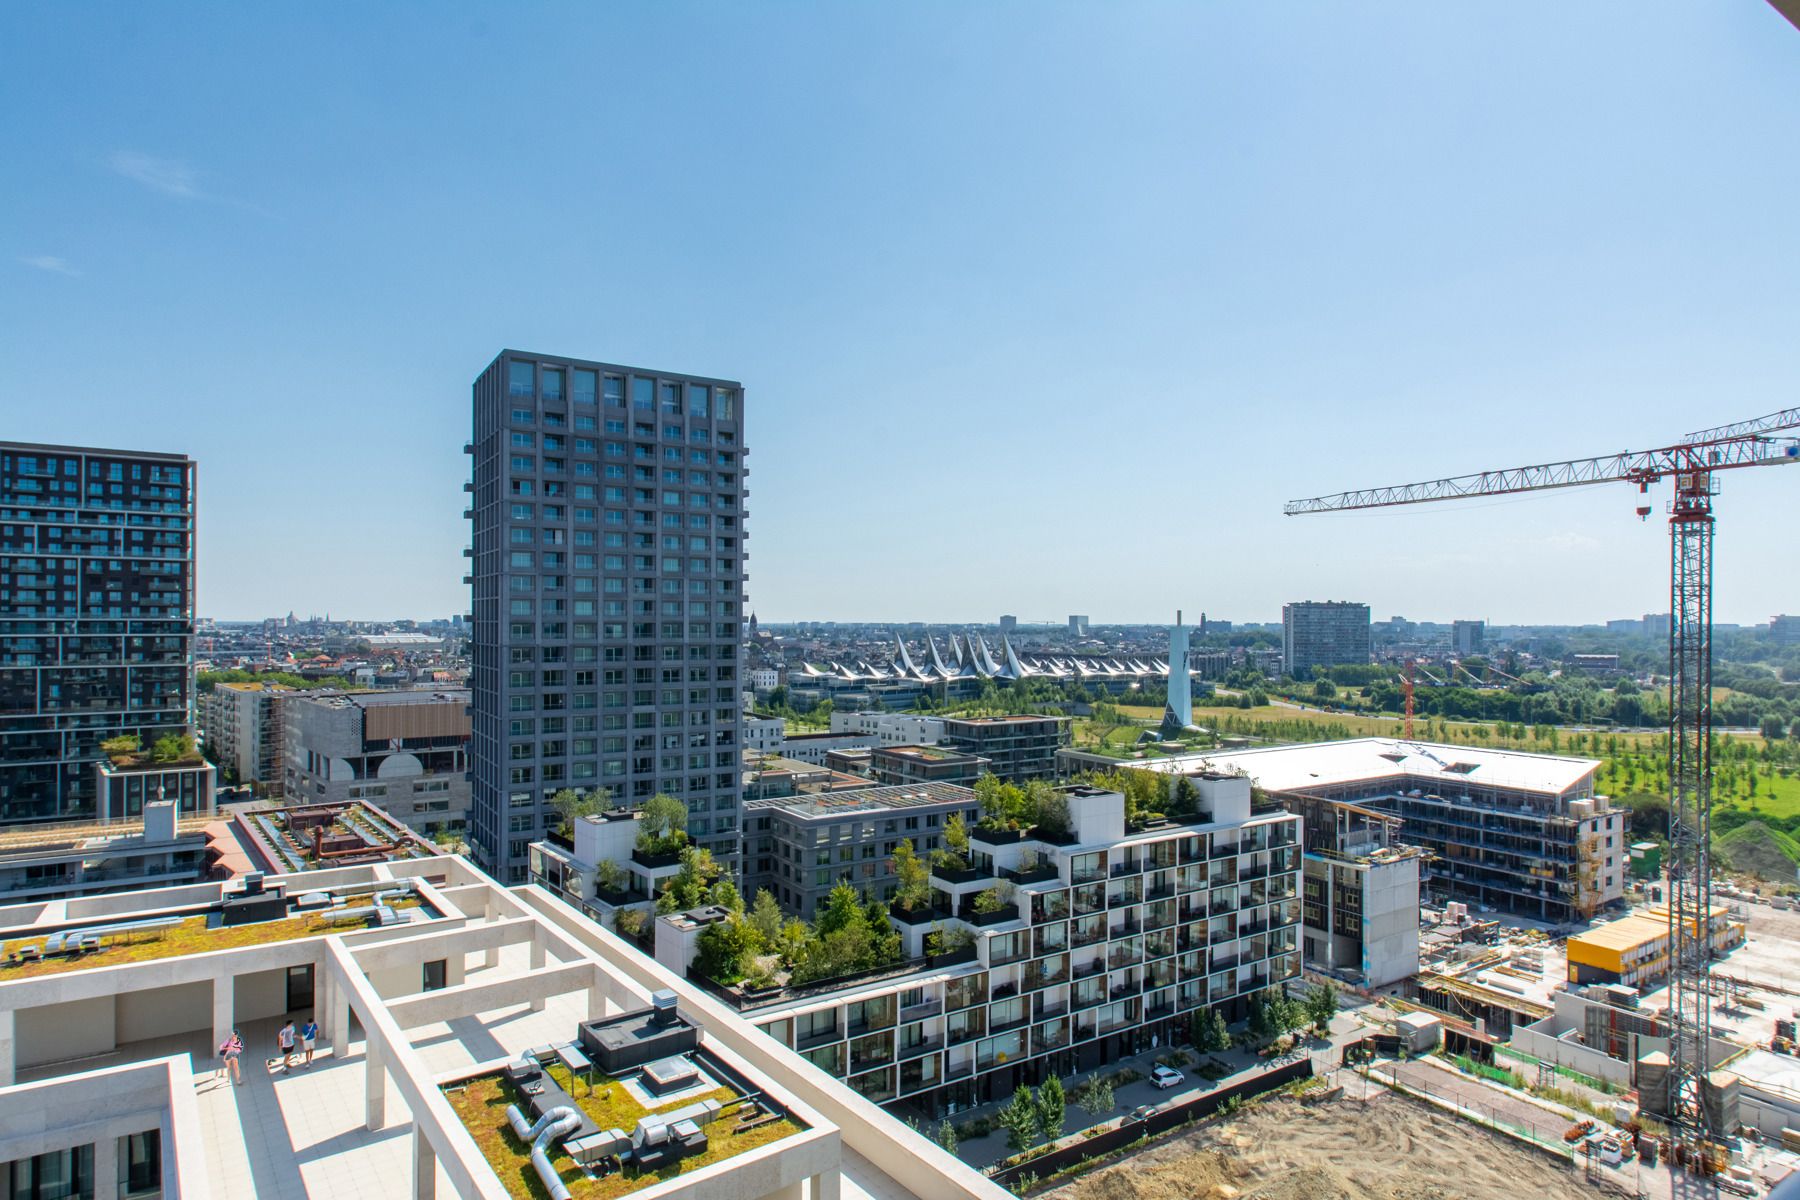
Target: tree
569,805
1773,727
1096,1096
1052,1109
954,854
1184,799
766,919
125,743
1209,1032
690,887
662,827
171,747
914,890
724,948
609,876
1020,1120
1049,808
946,1135
1320,1006
991,900
629,922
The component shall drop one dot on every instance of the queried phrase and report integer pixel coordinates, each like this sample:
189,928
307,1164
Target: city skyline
996,294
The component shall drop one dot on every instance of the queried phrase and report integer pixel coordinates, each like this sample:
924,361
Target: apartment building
241,723
1522,832
405,752
1360,893
44,861
1107,941
1468,637
926,764
607,518
891,729
96,616
1323,634
800,847
813,747
1019,748
423,977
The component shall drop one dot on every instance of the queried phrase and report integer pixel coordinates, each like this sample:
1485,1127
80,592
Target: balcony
957,1037
961,1070
1090,968
813,1041
929,1046
919,1012
1122,869
1034,981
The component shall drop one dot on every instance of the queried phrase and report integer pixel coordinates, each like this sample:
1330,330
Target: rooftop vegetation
481,1105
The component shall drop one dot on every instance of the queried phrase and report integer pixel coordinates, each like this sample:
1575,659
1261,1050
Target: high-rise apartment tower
608,595
1323,634
96,616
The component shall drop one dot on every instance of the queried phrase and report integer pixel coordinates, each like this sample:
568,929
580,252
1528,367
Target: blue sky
1040,308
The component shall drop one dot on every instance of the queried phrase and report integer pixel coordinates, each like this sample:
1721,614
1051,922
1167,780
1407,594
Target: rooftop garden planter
924,914
614,896
1038,873
1006,912
959,875
951,958
1053,838
996,837
652,860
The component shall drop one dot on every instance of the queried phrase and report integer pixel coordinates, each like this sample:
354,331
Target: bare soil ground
1387,1148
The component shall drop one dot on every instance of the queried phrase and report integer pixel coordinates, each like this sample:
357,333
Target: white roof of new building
1423,764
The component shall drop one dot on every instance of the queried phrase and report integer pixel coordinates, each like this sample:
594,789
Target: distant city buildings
1785,630
925,764
96,617
1008,624
607,511
1078,625
1323,634
1468,637
891,729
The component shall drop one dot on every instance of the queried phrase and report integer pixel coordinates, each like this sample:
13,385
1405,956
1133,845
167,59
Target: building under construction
1506,830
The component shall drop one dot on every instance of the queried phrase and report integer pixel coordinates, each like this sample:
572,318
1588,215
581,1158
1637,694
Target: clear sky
1040,307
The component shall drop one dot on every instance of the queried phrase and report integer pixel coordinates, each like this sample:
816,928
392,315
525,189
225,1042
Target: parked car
1142,1112
1166,1077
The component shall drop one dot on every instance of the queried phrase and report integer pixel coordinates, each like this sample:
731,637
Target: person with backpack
309,1034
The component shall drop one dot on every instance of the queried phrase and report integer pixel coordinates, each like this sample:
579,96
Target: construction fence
1474,1103
1162,1121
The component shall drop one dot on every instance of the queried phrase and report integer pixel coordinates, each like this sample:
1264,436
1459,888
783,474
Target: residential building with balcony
607,546
1020,747
242,728
926,764
1104,942
44,862
96,617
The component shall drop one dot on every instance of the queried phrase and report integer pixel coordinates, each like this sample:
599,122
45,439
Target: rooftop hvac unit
253,883
663,1004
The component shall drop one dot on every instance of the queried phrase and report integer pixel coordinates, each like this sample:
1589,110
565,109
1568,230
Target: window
643,394
553,384
521,378
697,400
585,381
671,399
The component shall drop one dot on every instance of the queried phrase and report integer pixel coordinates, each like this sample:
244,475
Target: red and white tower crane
1691,465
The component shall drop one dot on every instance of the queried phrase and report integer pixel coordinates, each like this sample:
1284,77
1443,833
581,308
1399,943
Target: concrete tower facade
1181,689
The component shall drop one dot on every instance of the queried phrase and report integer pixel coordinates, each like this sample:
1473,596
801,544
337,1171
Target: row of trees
1010,806
1034,1116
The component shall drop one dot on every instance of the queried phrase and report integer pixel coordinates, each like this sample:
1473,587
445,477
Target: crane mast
1692,464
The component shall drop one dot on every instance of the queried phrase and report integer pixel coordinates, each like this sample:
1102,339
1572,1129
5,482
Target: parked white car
1166,1077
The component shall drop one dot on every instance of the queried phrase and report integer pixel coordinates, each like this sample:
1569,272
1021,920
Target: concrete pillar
490,958
824,1186
375,1084
793,1191
224,1006
338,1030
9,1048
424,1166
106,1168
537,964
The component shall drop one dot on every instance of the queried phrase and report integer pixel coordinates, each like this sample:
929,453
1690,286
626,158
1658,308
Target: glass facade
96,616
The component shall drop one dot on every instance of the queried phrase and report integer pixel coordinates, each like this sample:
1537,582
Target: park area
1388,1147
